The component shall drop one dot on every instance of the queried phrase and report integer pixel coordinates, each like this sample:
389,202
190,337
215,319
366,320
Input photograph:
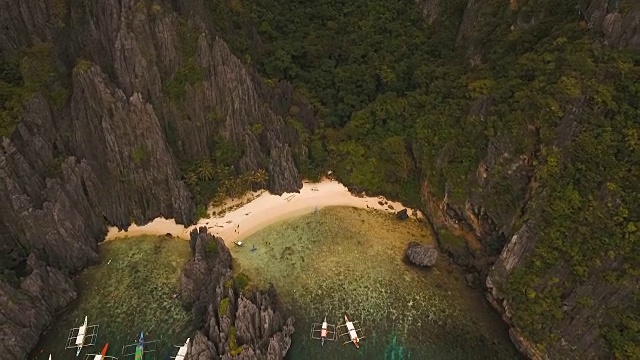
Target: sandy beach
262,209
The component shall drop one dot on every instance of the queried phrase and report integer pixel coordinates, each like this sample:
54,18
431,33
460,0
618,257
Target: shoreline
259,209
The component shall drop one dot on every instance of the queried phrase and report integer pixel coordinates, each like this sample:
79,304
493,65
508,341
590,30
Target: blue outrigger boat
139,349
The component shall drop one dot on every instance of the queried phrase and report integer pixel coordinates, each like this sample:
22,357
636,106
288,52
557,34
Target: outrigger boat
327,331
182,351
352,332
84,335
140,349
101,356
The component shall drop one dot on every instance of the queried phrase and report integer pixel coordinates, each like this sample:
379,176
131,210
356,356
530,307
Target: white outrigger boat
352,332
85,335
182,350
327,331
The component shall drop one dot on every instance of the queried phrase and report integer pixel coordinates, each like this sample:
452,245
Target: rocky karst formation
507,239
237,323
143,88
617,23
28,308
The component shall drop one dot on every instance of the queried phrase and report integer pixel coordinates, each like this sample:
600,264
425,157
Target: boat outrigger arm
324,331
82,336
353,333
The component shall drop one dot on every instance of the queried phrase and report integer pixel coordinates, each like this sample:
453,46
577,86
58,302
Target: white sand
264,210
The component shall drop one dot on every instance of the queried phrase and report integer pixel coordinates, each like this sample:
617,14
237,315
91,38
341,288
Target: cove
343,259
338,259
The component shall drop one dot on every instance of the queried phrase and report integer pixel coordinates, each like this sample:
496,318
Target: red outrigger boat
327,331
101,356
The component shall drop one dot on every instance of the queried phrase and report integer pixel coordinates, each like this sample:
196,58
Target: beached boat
238,243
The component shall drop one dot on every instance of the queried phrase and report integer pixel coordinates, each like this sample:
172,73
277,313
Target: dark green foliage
212,246
234,349
241,282
138,156
54,169
623,335
223,308
189,73
21,77
400,104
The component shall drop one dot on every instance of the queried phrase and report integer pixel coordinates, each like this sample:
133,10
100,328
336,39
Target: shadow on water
352,260
132,289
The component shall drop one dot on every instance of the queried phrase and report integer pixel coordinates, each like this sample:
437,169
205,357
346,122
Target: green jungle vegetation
396,96
399,99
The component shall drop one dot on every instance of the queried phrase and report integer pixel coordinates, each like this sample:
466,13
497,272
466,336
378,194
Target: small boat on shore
238,243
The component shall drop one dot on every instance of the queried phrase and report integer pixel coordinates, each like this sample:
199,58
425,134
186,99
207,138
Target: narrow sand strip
264,210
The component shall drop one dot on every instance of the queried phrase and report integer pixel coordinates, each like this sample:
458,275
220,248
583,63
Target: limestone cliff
29,308
503,239
617,23
143,89
238,323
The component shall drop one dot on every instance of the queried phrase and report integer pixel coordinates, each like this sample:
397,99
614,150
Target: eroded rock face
110,153
619,27
236,324
26,310
422,255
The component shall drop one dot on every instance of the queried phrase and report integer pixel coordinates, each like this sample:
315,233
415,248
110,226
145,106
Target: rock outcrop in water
237,323
422,255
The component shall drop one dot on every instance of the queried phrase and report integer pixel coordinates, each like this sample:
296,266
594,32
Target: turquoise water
133,292
352,260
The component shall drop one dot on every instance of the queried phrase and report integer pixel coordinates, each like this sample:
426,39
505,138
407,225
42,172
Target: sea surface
347,260
337,260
